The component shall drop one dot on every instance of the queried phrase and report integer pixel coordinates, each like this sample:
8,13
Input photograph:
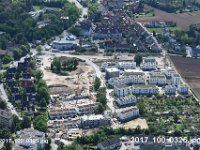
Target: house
29,139
144,89
6,118
121,90
112,73
23,65
117,46
157,80
126,65
183,89
170,90
11,70
15,93
128,113
196,51
26,83
94,121
176,79
113,4
26,75
64,45
125,101
110,144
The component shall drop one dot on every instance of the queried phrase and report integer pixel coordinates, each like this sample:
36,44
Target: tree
75,63
26,122
40,123
3,105
3,44
6,59
39,49
42,93
43,103
97,83
38,75
64,64
138,59
100,109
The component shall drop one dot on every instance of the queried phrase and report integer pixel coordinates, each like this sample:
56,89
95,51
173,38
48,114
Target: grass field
36,8
158,30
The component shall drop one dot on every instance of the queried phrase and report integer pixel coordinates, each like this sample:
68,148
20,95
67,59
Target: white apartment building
134,79
126,65
112,73
128,100
144,89
127,113
157,80
169,73
86,109
148,66
94,121
176,79
183,89
129,72
29,139
6,118
121,90
149,59
170,90
61,112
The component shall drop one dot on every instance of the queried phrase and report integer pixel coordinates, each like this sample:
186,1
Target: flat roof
92,117
113,69
144,86
121,86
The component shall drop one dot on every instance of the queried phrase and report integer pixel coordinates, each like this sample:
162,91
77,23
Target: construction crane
77,89
90,94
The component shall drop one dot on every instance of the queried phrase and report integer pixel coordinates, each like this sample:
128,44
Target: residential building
110,144
127,113
183,89
129,72
129,80
144,89
196,51
84,109
15,93
176,79
126,65
113,4
107,65
6,118
112,73
169,73
86,28
64,45
59,112
157,80
170,90
93,121
148,66
121,90
127,100
30,139
149,60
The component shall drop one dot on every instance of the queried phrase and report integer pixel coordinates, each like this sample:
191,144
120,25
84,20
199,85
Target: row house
15,93
125,101
121,90
117,46
170,90
86,109
157,80
127,113
94,121
110,144
59,112
144,90
132,79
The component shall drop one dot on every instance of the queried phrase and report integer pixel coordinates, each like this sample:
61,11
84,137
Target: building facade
127,113
144,90
6,118
128,100
170,90
121,90
112,73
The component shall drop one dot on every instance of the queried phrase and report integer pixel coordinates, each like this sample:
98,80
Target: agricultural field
183,20
189,70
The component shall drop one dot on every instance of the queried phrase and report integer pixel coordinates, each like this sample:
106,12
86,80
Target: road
4,97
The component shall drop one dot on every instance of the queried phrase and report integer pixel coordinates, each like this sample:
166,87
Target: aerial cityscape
99,74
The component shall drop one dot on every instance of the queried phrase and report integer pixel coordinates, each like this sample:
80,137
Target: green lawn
36,7
158,30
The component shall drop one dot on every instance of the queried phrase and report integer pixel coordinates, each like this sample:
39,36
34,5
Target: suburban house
30,139
170,90
110,144
112,73
128,113
144,89
125,101
121,90
15,93
6,118
94,121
